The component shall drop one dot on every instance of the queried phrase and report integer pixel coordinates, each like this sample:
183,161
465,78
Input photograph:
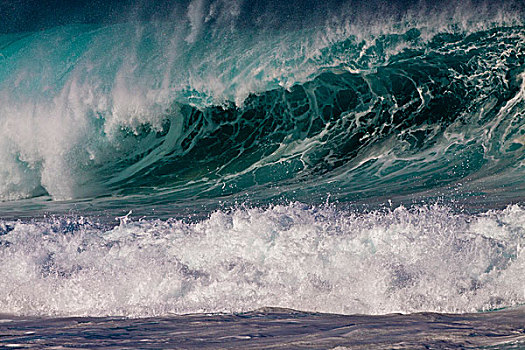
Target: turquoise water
128,113
192,164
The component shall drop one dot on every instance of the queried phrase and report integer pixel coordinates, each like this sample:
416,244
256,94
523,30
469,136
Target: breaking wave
331,160
294,256
186,111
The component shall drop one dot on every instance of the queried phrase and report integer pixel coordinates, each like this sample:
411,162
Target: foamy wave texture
308,258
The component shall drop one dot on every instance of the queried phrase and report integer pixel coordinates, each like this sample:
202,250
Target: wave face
177,113
189,111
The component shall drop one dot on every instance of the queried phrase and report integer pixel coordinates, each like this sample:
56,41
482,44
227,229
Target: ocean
262,174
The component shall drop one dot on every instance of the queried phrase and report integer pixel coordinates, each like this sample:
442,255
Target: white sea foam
322,259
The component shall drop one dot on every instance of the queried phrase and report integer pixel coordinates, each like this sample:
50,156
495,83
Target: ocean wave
194,107
294,256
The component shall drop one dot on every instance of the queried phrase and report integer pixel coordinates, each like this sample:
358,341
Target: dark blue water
270,328
213,156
